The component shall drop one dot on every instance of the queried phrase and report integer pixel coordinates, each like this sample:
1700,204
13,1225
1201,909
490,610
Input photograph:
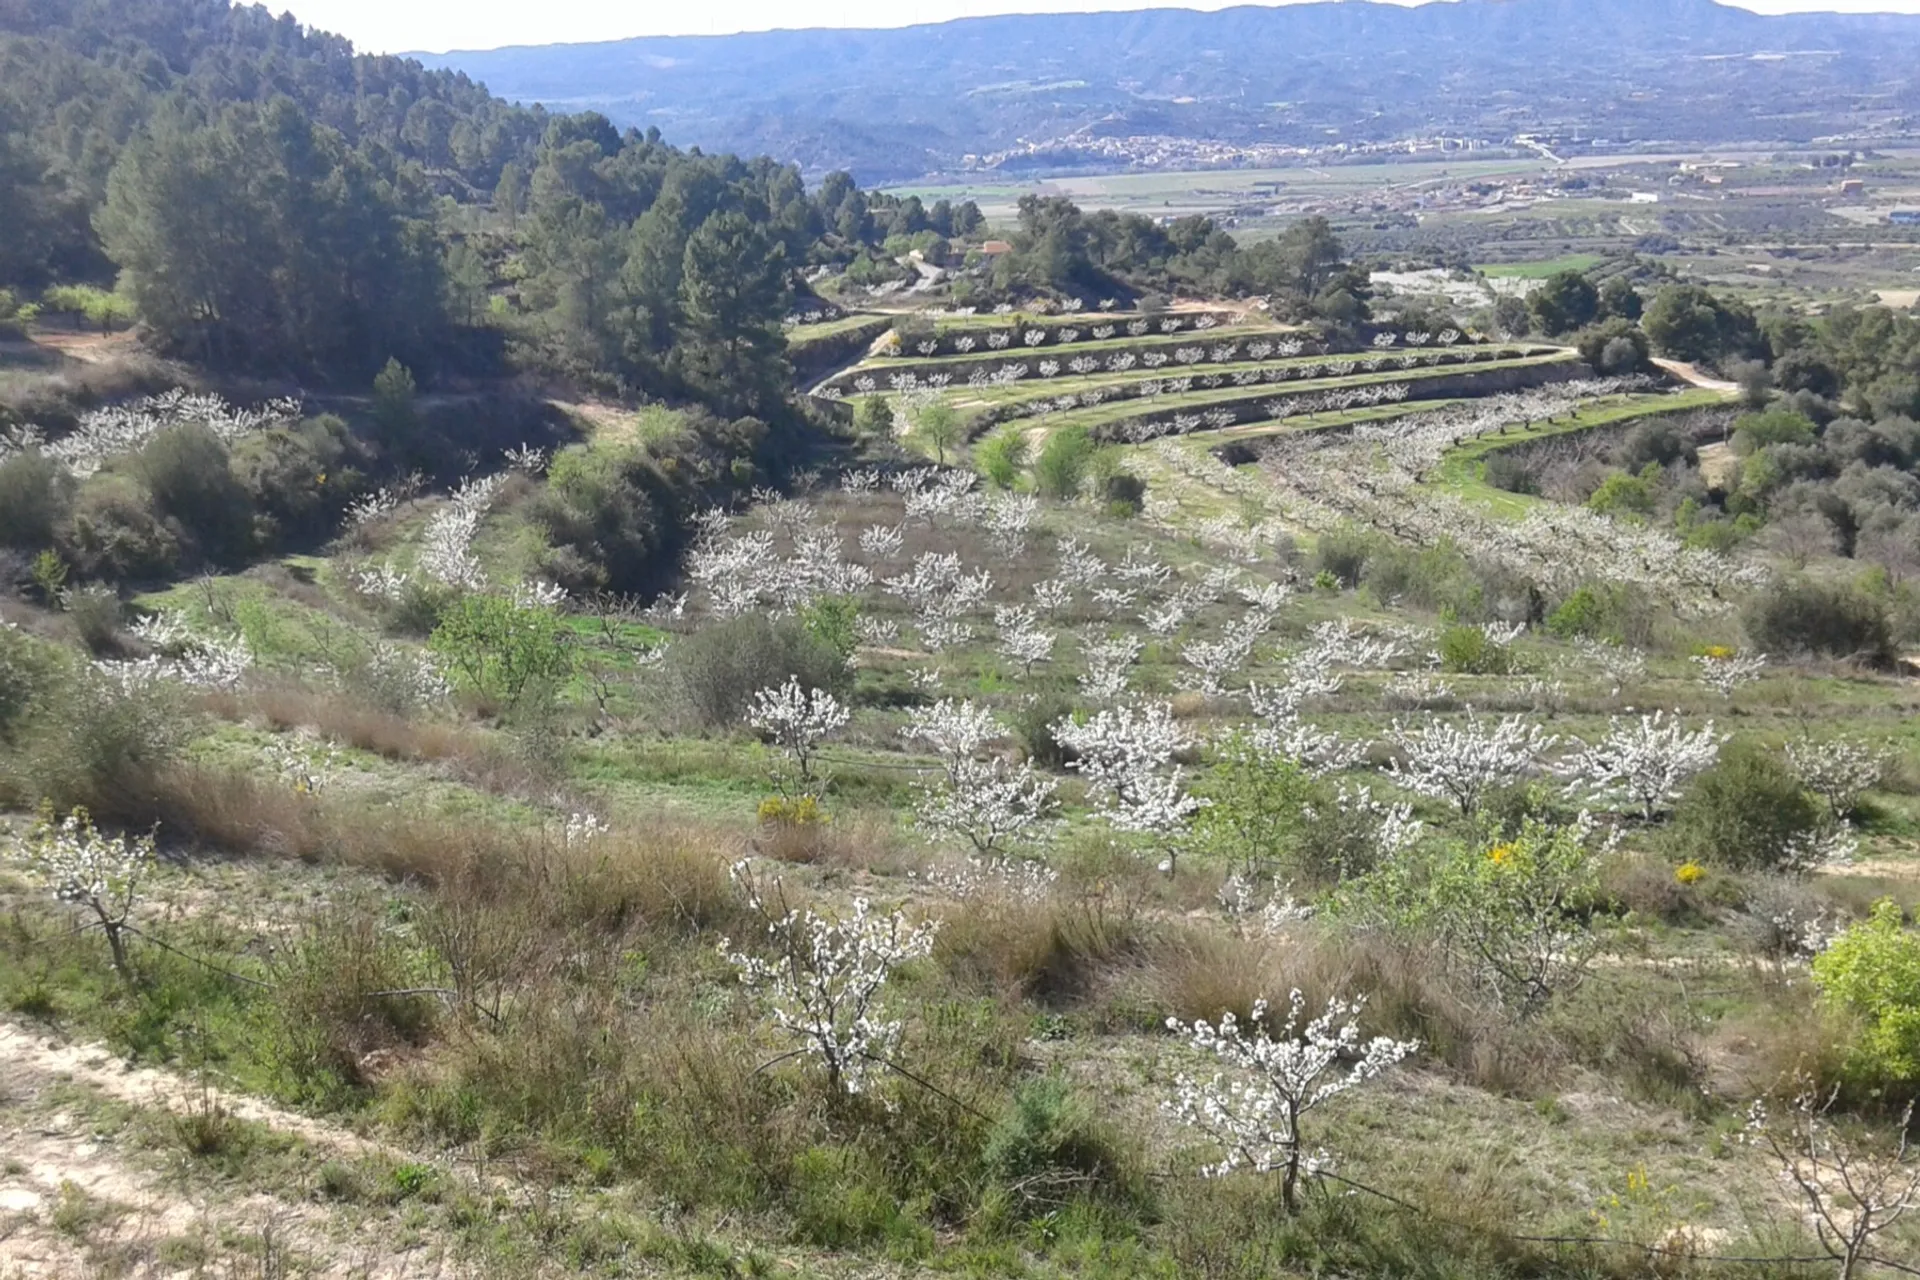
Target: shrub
1873,970
873,416
101,744
1753,432
115,534
1509,918
1746,812
1048,1148
1657,441
26,667
714,673
506,653
188,472
96,613
1468,651
834,621
329,1002
1123,494
1061,468
1803,616
1343,553
1032,726
1627,493
298,478
1258,805
1002,456
1615,347
602,518
1583,613
35,495
1507,472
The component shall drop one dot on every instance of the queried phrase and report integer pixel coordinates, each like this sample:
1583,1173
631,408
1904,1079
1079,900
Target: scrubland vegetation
1278,782
1109,861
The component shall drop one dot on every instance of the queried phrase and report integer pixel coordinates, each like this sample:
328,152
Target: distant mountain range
1049,90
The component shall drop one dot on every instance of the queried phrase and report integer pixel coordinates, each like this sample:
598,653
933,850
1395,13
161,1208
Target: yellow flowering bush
803,811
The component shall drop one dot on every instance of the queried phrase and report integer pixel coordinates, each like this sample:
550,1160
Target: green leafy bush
1032,725
834,621
507,653
1469,651
298,479
1746,812
26,668
1873,971
1123,495
1627,494
1584,613
99,744
1002,456
602,513
873,416
1064,460
1511,474
1048,1148
1258,807
1755,431
1513,918
96,614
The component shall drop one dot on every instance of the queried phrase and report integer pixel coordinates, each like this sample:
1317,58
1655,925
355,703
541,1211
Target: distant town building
994,248
1853,187
1905,217
1644,197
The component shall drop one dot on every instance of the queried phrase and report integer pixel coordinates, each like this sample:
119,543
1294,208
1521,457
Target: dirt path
1689,374
24,1051
80,1200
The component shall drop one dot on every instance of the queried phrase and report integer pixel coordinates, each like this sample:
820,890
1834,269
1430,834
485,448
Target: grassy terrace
1540,270
962,324
1106,415
1048,388
1461,472
803,335
1088,346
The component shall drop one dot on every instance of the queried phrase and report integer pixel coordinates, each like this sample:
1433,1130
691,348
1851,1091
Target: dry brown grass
1058,950
57,399
471,755
1202,972
661,872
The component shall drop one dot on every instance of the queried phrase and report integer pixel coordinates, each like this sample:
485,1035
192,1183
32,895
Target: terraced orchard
1146,802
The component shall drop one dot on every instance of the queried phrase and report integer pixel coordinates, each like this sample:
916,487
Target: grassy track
1461,472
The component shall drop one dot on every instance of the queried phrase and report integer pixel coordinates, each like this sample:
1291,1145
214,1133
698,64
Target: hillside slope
898,103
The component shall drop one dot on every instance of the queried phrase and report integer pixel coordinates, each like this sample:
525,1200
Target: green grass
1540,270
1461,472
802,336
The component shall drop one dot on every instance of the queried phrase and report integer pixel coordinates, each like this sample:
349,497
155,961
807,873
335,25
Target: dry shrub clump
1055,949
1200,973
338,716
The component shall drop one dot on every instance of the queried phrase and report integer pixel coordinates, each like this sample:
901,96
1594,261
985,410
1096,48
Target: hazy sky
394,26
